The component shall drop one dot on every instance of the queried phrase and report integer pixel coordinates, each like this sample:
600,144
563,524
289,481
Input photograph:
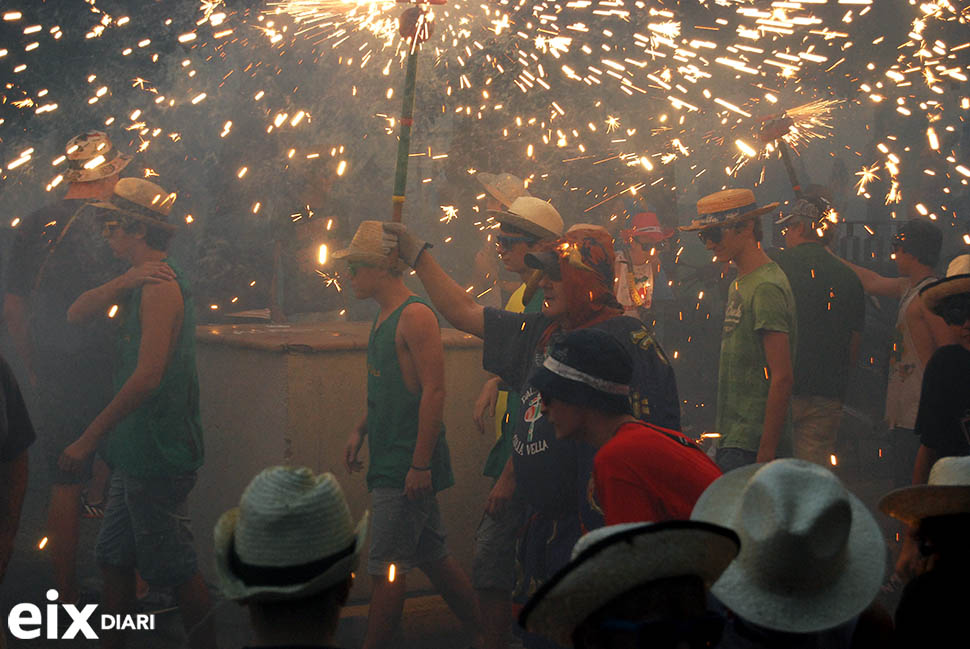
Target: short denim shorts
406,533
146,526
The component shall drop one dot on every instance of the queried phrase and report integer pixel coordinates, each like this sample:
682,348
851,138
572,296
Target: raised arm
450,299
98,300
161,315
419,329
876,284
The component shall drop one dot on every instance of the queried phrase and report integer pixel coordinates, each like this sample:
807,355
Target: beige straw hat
291,536
612,560
532,215
91,156
726,207
141,200
369,245
504,187
957,281
948,492
812,556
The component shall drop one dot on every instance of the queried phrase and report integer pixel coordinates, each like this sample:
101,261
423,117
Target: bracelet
421,468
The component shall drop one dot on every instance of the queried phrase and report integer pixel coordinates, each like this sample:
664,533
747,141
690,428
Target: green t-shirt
831,304
392,414
164,435
758,302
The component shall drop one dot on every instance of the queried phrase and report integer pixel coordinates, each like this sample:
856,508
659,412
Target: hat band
718,217
565,371
137,209
253,575
79,164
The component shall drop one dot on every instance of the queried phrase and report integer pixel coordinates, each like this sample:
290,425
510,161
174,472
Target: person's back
648,473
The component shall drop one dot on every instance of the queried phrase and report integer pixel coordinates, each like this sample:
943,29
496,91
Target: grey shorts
406,533
146,526
494,564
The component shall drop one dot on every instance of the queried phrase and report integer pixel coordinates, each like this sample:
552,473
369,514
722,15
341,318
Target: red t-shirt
643,475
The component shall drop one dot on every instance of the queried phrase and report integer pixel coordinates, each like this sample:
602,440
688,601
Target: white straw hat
957,281
532,215
812,556
948,492
504,187
291,536
368,245
613,560
91,156
141,200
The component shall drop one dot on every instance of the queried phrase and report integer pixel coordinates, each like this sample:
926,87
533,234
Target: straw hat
504,187
948,492
812,556
646,225
957,281
368,245
91,156
532,215
613,560
141,200
291,537
726,207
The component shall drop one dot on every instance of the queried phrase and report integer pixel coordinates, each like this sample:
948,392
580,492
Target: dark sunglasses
647,246
507,240
713,234
955,310
355,266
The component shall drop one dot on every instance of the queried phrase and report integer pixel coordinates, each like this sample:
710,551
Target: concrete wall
292,395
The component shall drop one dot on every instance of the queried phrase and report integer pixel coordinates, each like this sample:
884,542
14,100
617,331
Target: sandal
91,510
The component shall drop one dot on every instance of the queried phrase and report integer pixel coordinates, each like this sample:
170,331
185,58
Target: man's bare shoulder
162,295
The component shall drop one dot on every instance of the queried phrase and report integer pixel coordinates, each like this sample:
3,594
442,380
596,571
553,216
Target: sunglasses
713,234
647,246
955,311
507,241
355,266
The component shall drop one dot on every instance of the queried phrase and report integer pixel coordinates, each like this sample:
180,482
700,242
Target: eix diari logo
28,621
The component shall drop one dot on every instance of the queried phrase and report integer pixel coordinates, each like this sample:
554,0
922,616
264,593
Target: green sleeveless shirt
164,435
392,414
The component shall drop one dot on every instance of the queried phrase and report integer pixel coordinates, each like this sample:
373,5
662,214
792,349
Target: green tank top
164,435
392,414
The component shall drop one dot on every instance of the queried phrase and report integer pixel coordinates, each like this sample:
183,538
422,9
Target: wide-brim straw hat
503,187
957,281
91,156
292,536
141,200
812,555
726,207
532,215
613,560
947,492
369,245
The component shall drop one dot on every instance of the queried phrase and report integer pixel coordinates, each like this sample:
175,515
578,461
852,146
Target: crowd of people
606,526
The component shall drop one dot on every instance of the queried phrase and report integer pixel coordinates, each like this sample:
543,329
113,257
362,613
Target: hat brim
622,562
158,223
784,609
98,173
236,589
525,225
933,294
352,254
913,504
729,221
